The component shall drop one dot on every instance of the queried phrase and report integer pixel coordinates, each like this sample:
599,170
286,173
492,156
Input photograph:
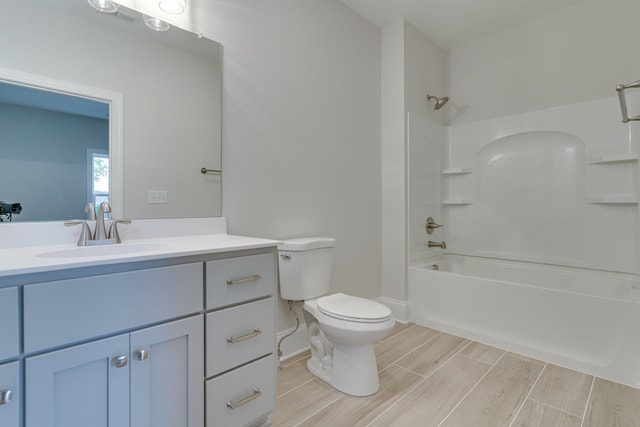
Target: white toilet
341,328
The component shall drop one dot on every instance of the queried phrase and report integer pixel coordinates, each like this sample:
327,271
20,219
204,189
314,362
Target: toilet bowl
342,329
349,361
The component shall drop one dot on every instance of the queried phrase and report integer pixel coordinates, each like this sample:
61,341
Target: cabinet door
80,386
167,374
9,332
9,394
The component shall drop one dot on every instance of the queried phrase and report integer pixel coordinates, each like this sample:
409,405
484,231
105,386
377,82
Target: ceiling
451,23
26,96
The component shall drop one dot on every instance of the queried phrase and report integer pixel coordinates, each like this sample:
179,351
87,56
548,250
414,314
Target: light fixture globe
155,24
105,6
173,7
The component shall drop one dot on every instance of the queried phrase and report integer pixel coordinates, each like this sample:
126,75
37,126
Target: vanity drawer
234,280
239,334
9,332
251,389
67,311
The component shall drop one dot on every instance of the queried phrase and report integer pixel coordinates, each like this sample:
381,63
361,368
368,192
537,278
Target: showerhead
439,101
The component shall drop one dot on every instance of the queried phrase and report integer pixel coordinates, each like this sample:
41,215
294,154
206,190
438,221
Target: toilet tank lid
307,243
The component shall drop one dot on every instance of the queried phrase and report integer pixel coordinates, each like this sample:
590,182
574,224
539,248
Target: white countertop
177,239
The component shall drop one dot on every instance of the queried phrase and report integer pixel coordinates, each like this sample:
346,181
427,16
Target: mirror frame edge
116,119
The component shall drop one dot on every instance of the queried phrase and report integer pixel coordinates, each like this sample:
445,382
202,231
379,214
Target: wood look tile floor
430,378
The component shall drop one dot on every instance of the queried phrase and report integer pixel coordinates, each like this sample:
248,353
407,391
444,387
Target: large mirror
100,95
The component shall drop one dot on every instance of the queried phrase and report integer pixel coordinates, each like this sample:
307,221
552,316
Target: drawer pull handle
5,396
120,361
243,280
233,405
253,334
142,355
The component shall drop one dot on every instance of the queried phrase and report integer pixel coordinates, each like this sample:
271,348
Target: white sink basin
104,250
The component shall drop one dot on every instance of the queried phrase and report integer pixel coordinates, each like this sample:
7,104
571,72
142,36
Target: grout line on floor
297,387
513,420
415,348
553,407
471,389
321,409
423,379
586,405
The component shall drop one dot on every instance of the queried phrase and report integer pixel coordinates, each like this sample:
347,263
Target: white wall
301,133
394,222
44,161
572,55
301,128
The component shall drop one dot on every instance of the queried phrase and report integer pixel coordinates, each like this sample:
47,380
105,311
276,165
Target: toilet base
354,370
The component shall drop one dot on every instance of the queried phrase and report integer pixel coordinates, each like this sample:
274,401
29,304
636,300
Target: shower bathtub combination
542,228
581,319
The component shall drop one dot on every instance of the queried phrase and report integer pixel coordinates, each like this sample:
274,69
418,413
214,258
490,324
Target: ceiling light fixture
155,24
173,7
106,6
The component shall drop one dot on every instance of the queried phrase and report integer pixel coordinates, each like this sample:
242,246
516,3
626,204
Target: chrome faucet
442,244
100,236
85,234
101,231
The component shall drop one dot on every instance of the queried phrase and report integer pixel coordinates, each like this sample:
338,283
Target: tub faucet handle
431,225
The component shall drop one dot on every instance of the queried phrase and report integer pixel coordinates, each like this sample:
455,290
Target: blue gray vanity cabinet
167,373
125,344
240,340
141,376
9,394
79,386
153,375
9,321
9,349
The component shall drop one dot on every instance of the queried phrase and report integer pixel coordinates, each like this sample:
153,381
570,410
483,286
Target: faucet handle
113,232
85,234
431,225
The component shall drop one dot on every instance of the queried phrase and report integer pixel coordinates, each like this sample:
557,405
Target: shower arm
623,101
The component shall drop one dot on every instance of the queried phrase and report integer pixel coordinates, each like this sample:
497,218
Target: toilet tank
305,267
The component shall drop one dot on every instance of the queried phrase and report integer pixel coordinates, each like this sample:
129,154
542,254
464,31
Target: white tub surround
556,186
541,214
100,324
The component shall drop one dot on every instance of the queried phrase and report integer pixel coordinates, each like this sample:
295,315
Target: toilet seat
353,309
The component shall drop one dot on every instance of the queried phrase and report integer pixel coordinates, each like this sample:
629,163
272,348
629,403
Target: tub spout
442,244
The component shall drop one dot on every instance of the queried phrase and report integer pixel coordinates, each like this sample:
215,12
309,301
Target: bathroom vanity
175,327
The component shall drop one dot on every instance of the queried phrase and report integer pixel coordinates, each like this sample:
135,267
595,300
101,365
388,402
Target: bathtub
581,319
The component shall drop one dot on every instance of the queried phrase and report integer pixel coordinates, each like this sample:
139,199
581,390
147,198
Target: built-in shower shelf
613,200
613,158
457,202
457,171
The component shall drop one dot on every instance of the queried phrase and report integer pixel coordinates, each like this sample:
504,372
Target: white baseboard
399,309
294,344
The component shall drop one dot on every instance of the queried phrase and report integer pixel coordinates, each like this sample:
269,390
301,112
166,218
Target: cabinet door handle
141,355
244,337
5,396
120,361
243,280
233,405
